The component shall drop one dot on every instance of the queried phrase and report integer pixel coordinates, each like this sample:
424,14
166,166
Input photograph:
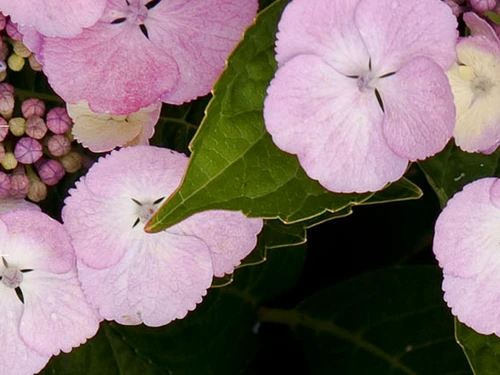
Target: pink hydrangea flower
42,308
466,240
54,17
12,204
101,132
475,82
135,277
360,89
143,51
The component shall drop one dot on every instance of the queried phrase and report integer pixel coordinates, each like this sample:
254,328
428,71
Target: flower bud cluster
13,53
35,147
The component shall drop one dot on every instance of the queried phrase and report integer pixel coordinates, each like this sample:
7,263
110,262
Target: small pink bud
33,107
59,145
28,150
4,184
19,185
17,126
11,29
9,161
58,120
482,5
71,162
36,127
4,128
3,21
6,104
7,87
50,171
37,190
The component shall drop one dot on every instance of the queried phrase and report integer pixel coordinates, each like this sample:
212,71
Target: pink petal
324,28
15,356
467,232
396,31
230,236
56,314
466,245
154,283
40,242
479,27
54,17
199,35
419,112
11,204
107,59
101,132
333,127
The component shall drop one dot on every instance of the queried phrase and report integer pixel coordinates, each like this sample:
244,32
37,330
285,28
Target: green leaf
106,353
481,351
451,169
392,321
234,163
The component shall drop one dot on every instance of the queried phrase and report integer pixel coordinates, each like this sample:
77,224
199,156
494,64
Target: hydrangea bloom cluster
134,277
467,236
359,92
42,308
141,51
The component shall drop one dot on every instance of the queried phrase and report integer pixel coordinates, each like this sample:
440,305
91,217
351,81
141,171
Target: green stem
26,94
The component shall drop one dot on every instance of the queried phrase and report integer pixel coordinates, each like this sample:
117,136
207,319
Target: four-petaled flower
135,277
360,89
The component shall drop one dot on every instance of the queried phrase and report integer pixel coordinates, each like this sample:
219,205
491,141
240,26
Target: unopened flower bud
71,162
50,171
33,107
9,161
4,185
37,190
15,62
36,127
3,21
482,5
28,150
4,128
4,52
17,126
6,104
34,64
19,186
7,87
58,120
59,145
11,29
20,49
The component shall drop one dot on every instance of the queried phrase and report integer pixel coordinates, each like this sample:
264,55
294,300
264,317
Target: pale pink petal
396,31
419,114
467,232
40,242
15,357
54,17
479,27
56,314
101,132
199,35
333,127
11,204
324,28
113,67
466,244
230,236
154,283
